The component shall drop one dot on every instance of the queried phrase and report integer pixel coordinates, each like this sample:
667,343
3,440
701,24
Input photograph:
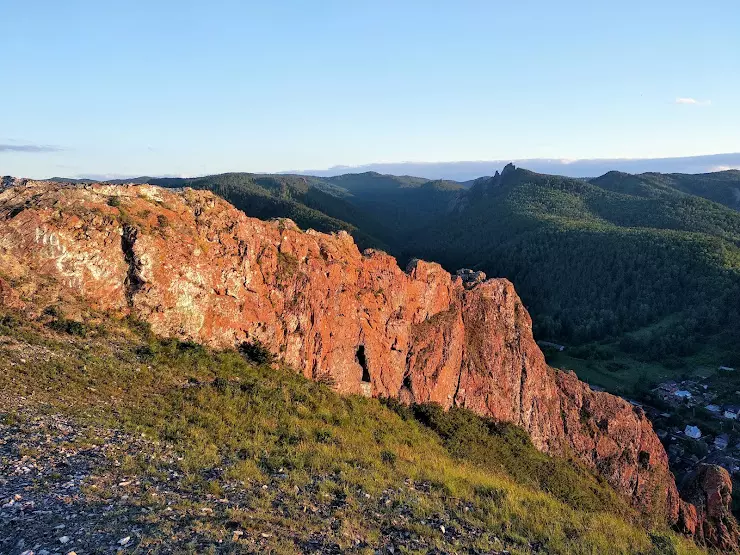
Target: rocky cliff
705,513
194,267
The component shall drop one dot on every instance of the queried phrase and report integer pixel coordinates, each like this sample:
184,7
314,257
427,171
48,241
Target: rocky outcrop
470,278
9,296
706,510
194,267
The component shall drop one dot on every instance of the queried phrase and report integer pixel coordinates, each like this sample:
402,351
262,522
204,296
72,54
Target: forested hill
722,187
378,210
310,202
593,263
593,259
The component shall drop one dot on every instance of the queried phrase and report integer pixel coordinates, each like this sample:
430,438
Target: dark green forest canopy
722,187
592,263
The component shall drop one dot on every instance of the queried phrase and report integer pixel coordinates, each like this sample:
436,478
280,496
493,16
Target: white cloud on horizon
29,148
573,167
692,101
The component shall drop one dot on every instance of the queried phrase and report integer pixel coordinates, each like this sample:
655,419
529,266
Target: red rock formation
194,267
9,296
706,511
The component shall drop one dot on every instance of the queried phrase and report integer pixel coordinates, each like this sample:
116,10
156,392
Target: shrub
388,457
663,544
140,327
326,379
322,436
696,447
220,384
615,366
52,311
145,353
256,352
72,327
287,265
9,321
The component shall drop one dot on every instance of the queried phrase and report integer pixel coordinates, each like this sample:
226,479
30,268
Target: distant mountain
469,170
722,187
308,201
119,181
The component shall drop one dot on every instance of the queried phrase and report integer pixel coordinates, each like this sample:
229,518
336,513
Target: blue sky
186,88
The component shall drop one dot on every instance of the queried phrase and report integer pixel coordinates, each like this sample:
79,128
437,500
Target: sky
124,88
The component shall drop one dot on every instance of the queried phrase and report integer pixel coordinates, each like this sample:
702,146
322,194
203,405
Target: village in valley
696,415
697,419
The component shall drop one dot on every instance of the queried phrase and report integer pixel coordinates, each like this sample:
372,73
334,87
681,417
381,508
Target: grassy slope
236,446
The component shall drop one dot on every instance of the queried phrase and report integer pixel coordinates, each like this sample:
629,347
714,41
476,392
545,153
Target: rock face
706,511
194,267
470,278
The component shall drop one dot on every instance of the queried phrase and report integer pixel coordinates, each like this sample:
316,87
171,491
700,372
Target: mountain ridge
543,221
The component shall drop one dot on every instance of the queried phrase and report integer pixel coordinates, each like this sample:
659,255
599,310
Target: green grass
606,364
504,448
372,466
621,381
633,375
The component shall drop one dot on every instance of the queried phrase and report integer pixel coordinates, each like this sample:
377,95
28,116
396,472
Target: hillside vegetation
592,263
163,446
302,199
378,210
721,187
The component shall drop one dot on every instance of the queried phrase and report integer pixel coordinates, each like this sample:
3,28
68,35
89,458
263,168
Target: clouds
692,101
29,148
723,168
467,170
